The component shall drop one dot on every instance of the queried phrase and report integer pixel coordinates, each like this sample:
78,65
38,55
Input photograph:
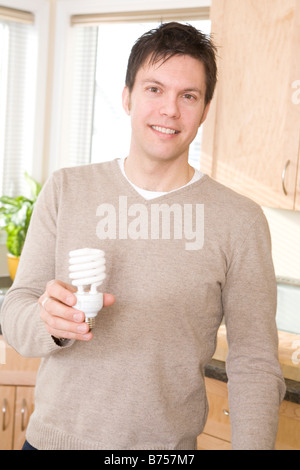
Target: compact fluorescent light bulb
87,269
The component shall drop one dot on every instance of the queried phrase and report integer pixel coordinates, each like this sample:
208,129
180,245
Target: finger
53,307
61,291
70,335
60,327
58,309
108,300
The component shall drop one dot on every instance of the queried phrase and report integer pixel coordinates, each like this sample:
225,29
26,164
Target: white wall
285,231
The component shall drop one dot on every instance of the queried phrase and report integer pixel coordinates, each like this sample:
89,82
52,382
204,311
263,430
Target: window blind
17,94
83,91
176,14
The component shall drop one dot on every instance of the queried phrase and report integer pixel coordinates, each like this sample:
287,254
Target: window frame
41,11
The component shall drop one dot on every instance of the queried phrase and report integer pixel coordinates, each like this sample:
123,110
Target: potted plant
15,215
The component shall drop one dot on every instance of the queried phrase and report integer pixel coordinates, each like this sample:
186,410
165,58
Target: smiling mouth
164,130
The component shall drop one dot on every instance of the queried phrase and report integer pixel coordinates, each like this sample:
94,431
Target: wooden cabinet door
216,434
292,128
218,421
288,436
251,137
296,96
7,410
23,410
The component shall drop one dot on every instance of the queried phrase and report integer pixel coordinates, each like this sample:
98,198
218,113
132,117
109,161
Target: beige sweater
139,383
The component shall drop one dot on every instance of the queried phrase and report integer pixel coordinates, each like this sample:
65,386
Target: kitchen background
73,63
62,67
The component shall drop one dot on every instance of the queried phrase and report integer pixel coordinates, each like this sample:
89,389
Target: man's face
166,106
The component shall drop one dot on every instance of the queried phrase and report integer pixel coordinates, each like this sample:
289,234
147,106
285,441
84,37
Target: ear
205,112
126,100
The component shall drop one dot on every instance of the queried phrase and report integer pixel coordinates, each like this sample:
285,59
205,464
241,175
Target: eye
153,89
189,97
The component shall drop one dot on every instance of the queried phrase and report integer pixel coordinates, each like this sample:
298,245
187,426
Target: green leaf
15,215
7,200
35,187
15,241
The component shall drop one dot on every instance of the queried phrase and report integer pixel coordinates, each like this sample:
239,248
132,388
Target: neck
158,176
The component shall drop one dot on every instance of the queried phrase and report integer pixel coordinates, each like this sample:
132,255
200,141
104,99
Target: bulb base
91,321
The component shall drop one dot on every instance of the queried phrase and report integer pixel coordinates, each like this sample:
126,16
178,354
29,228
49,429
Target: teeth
164,130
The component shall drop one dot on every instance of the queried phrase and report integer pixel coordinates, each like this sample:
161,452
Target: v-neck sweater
147,194
139,383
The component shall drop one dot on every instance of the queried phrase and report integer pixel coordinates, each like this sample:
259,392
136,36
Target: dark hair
171,39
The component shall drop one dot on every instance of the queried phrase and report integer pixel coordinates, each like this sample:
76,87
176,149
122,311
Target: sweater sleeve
20,314
255,383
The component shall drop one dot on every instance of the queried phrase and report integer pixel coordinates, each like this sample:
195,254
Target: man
182,253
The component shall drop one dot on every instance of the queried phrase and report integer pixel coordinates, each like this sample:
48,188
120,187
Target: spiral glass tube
87,271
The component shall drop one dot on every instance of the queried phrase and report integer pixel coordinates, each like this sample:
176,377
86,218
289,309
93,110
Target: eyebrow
191,90
185,90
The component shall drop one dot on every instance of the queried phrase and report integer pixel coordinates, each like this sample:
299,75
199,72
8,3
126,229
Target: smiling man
182,253
167,96
166,106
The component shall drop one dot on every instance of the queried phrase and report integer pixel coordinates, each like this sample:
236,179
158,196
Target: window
99,129
18,62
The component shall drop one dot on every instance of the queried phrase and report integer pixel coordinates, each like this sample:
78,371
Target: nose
170,107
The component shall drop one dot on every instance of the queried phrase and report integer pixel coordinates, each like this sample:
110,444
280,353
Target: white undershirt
153,194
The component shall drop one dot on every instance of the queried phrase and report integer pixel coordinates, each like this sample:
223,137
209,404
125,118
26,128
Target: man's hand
61,320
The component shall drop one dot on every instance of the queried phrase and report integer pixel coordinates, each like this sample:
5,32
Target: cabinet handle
283,176
23,412
226,412
4,410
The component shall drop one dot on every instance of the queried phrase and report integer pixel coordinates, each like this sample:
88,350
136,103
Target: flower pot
12,262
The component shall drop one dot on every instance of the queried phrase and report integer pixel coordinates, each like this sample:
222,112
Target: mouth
165,130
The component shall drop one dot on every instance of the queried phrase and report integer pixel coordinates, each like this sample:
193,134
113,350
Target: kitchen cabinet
251,139
7,401
17,380
217,432
17,404
24,406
